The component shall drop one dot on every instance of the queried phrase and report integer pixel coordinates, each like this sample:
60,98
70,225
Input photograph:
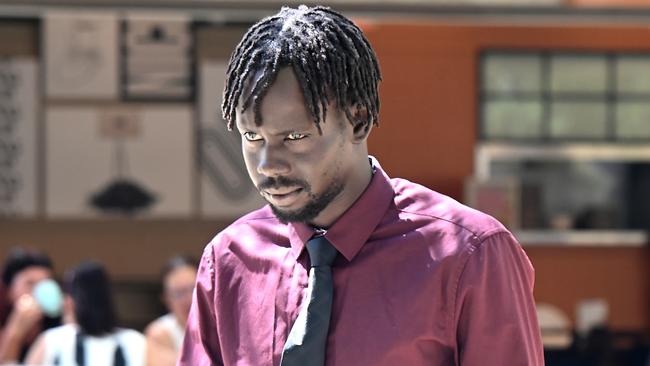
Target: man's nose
273,162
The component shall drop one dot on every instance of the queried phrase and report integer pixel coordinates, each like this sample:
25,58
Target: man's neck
354,188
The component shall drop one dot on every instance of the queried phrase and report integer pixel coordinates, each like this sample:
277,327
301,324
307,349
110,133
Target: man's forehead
283,99
246,93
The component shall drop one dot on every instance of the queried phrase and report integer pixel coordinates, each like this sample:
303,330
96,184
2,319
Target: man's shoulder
415,201
254,226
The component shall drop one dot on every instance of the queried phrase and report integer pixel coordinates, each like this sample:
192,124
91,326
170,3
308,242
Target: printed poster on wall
18,148
157,57
133,161
81,55
226,189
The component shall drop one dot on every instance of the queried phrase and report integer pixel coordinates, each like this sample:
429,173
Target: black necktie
307,339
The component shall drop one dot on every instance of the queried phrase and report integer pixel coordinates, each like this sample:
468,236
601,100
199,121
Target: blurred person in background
90,335
165,334
22,318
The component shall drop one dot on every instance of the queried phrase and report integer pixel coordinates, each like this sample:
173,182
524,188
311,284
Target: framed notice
226,189
18,131
158,57
81,55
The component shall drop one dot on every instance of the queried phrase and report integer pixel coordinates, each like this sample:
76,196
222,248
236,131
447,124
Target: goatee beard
316,204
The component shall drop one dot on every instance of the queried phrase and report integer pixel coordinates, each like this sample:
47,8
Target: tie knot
321,252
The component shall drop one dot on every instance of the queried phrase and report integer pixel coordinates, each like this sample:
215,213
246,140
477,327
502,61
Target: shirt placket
291,290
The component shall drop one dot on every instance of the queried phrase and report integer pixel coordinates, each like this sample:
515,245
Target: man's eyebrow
288,131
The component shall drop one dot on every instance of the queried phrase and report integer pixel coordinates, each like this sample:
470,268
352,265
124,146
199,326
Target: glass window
512,73
579,73
579,120
512,119
565,96
633,74
633,120
580,194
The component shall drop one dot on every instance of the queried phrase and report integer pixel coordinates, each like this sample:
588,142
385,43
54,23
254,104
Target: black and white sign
81,55
18,148
158,57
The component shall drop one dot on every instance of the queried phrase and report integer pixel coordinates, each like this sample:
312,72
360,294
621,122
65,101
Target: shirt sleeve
201,345
495,317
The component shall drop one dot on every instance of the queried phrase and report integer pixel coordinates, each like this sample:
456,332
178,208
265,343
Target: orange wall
564,275
427,130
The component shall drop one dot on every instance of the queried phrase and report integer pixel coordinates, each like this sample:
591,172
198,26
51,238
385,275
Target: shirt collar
350,231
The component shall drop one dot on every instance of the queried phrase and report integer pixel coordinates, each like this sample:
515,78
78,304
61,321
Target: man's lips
280,191
282,196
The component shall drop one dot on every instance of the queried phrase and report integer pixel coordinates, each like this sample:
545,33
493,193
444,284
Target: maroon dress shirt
420,280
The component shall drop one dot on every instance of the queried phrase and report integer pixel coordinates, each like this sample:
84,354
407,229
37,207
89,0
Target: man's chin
286,216
309,210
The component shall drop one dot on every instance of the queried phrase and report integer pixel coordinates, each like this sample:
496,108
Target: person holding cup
30,302
91,335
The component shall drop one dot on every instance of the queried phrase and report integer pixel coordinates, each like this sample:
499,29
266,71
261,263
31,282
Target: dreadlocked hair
329,55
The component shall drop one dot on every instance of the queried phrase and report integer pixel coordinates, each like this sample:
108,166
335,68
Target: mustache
279,182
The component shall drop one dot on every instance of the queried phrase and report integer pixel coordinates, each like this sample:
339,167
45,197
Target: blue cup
49,297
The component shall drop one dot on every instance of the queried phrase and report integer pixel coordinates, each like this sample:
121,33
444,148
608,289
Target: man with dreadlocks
345,266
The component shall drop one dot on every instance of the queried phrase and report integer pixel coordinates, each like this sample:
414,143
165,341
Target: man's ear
361,124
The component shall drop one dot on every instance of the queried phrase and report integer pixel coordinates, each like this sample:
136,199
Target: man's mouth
282,197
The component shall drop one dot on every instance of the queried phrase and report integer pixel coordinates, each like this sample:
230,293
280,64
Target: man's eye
251,136
295,136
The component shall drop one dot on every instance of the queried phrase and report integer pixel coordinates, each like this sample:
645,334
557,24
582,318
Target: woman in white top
165,334
90,336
